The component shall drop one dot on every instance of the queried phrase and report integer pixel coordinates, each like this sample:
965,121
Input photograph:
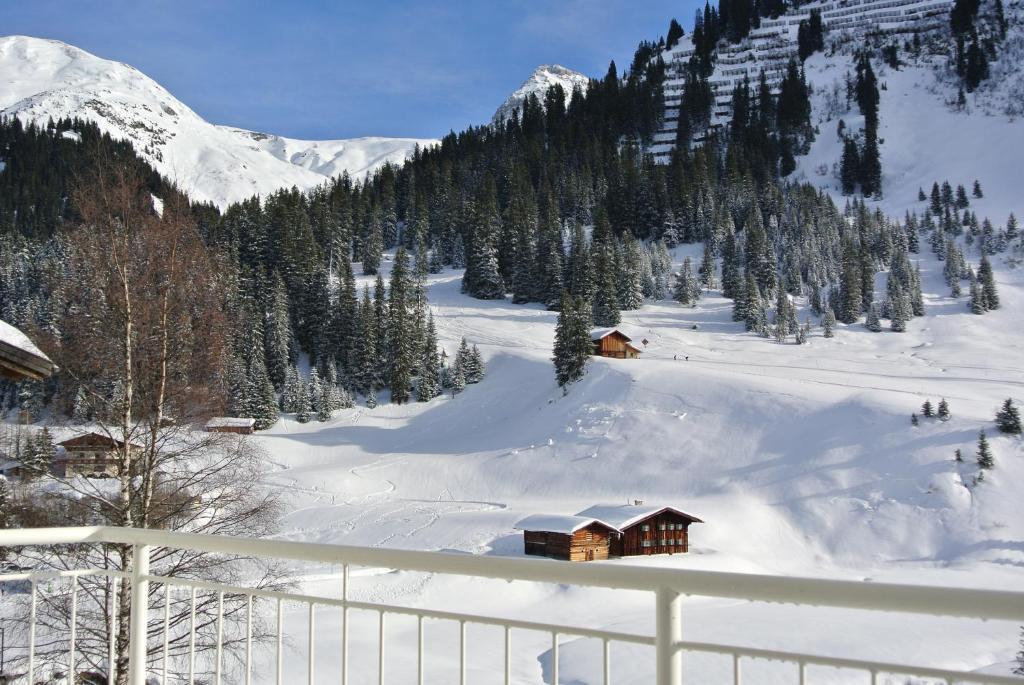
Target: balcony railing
669,587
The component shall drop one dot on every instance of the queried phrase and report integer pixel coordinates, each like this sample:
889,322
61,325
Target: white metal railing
669,587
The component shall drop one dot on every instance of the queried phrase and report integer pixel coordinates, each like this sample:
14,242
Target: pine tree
927,410
290,394
977,189
401,336
707,268
373,246
914,420
39,453
943,412
80,412
828,323
850,287
958,456
984,454
303,403
630,275
262,401
977,297
367,362
872,322
988,284
278,335
430,366
686,289
572,341
1008,418
6,509
474,367
606,301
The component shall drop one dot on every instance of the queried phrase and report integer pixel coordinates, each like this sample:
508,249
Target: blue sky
318,69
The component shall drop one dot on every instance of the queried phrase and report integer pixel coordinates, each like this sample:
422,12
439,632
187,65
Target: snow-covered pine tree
430,366
290,394
262,400
976,302
367,362
914,420
828,323
984,454
474,366
872,322
987,283
371,399
278,335
686,290
631,275
606,301
977,189
572,340
401,336
373,245
303,403
927,410
943,410
1008,418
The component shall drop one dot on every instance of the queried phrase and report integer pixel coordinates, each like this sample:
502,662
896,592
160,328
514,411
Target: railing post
669,632
138,625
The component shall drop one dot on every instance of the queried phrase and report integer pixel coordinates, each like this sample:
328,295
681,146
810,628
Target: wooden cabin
570,538
231,424
20,359
92,455
645,529
605,531
611,342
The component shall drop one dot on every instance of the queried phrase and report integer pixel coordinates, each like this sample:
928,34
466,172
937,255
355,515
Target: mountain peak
46,79
542,78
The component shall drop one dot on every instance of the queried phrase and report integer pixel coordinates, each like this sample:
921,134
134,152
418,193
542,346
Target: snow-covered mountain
40,79
924,136
542,78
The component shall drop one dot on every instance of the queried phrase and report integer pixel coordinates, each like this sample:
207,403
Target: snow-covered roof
622,516
230,422
557,523
19,356
599,333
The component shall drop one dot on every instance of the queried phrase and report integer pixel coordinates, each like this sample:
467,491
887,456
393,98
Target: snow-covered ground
801,460
44,79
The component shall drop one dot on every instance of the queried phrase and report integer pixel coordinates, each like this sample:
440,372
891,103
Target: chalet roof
93,439
599,333
20,358
558,523
622,516
230,422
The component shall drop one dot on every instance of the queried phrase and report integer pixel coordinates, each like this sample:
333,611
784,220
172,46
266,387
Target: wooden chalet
92,455
20,359
570,538
608,530
611,342
231,424
646,529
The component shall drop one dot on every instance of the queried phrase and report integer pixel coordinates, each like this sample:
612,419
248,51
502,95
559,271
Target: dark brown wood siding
592,543
663,533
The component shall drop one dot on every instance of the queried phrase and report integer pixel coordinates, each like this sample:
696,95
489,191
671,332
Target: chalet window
679,542
645,543
661,543
645,528
661,526
671,526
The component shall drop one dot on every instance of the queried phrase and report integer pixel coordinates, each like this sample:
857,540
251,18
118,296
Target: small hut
570,538
231,424
611,342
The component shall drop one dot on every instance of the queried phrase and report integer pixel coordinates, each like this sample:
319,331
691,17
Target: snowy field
801,460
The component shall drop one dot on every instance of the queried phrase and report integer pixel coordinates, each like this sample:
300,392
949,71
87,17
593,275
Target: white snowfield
542,78
42,79
800,460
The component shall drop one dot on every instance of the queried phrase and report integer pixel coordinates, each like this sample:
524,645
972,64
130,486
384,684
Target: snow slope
542,78
42,79
801,460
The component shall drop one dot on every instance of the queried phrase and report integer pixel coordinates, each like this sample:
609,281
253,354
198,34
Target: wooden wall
666,533
592,543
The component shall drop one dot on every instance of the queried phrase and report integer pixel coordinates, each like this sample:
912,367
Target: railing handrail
849,594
